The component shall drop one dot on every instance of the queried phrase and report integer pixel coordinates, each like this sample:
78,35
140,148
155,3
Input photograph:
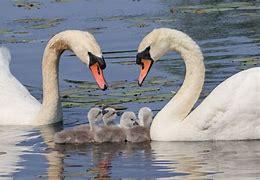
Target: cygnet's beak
135,123
104,111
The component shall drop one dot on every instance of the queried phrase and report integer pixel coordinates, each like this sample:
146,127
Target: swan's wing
232,109
18,106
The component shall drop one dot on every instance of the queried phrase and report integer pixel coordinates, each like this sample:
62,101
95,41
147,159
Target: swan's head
152,47
86,48
145,116
109,114
128,120
94,115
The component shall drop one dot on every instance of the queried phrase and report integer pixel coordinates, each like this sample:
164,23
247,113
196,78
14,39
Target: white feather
19,107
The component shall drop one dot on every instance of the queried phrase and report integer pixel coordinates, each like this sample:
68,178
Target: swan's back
14,96
77,135
138,134
110,134
231,111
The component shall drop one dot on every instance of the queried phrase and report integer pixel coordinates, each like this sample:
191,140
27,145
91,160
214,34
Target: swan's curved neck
181,104
50,111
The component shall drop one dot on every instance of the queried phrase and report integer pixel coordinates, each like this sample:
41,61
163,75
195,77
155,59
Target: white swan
230,112
19,107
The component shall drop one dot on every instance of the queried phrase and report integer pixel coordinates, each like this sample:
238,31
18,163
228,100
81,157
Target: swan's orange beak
98,75
146,65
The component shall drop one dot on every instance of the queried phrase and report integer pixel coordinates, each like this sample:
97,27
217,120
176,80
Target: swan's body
82,133
93,133
134,132
230,112
138,134
141,132
109,132
19,107
145,117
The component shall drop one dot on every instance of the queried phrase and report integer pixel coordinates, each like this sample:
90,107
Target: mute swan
109,114
145,116
110,132
134,132
230,112
82,133
92,132
141,132
19,107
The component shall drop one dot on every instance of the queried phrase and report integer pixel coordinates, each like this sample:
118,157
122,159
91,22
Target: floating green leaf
39,23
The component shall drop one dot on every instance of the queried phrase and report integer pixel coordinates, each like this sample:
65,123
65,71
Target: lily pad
219,7
86,94
15,40
28,5
5,31
39,23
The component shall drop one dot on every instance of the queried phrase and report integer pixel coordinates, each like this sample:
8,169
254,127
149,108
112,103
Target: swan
82,133
230,112
141,131
93,133
109,114
145,116
19,107
110,132
134,132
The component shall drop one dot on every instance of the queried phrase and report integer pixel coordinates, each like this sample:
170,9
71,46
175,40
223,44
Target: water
228,33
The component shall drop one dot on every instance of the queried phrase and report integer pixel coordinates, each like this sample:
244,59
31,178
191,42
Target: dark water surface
228,33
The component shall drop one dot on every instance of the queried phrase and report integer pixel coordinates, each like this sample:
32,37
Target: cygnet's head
109,114
94,115
145,116
128,120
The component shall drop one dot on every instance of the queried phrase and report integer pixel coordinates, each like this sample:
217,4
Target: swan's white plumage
230,112
232,109
18,106
14,96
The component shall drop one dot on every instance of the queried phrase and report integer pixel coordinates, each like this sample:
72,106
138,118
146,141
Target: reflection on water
10,151
22,153
223,159
229,35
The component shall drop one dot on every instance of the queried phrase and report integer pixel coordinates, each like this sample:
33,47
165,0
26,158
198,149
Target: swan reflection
19,142
31,151
214,159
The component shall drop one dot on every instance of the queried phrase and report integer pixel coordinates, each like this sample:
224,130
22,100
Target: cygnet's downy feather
82,133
